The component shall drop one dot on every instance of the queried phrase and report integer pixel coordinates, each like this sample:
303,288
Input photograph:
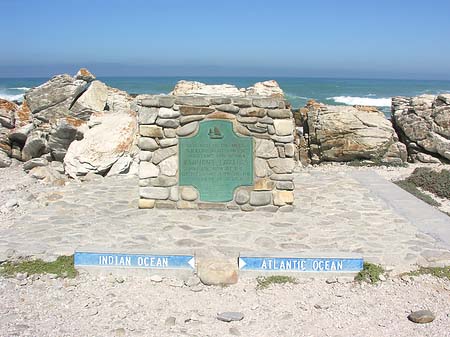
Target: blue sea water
375,92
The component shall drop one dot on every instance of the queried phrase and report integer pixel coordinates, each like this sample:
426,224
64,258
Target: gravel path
105,306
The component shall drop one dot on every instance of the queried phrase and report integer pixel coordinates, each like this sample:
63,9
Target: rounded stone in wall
242,197
189,193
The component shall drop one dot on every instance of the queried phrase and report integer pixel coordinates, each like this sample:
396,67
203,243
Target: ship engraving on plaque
216,161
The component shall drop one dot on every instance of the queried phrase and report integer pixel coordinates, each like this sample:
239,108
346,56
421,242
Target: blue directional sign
285,264
143,261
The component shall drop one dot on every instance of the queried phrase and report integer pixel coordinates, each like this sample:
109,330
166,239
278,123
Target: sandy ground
109,306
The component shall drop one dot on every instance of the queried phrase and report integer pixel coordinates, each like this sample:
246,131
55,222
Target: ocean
374,92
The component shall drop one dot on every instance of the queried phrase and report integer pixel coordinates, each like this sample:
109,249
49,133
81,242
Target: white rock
102,145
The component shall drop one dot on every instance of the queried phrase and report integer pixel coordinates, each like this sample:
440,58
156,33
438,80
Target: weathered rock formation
110,140
266,88
66,110
423,124
345,133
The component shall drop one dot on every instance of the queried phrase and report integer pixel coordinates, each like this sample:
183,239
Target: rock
230,316
170,321
146,143
162,154
102,145
152,131
260,198
282,165
19,135
53,99
242,197
147,115
281,198
228,108
159,193
146,203
217,270
85,75
267,103
189,193
192,281
93,99
167,142
284,127
261,167
422,316
121,166
168,113
66,130
8,112
426,158
266,88
11,203
187,129
35,145
168,123
47,174
265,149
169,166
148,170
35,162
156,278
345,133
118,101
5,161
197,88
280,113
423,124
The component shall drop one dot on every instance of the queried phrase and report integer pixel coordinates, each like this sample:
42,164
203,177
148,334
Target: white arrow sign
241,263
192,262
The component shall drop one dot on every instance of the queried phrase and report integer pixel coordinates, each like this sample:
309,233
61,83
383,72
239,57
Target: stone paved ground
335,212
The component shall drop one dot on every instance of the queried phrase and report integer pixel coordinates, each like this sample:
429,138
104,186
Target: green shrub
63,267
266,281
370,273
432,181
441,272
410,187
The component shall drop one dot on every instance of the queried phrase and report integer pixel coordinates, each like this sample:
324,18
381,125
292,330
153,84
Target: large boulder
112,136
65,131
93,99
266,88
345,133
423,124
197,88
53,99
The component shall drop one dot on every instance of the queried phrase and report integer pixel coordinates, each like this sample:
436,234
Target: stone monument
209,152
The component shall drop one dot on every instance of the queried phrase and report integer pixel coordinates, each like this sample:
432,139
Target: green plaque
216,161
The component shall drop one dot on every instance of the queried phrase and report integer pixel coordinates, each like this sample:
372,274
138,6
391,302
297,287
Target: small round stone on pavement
230,316
422,316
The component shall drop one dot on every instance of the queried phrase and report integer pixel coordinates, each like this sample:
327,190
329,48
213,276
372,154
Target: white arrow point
191,262
241,263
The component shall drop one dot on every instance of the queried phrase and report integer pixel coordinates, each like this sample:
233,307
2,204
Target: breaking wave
10,97
350,100
21,88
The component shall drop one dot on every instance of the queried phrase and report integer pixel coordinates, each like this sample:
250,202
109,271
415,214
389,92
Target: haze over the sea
332,39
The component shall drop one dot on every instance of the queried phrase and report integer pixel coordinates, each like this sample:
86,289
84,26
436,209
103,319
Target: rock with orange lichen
85,75
8,113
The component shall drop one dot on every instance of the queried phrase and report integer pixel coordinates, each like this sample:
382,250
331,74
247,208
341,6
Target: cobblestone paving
334,213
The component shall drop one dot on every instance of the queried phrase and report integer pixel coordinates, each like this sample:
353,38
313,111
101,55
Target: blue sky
366,39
